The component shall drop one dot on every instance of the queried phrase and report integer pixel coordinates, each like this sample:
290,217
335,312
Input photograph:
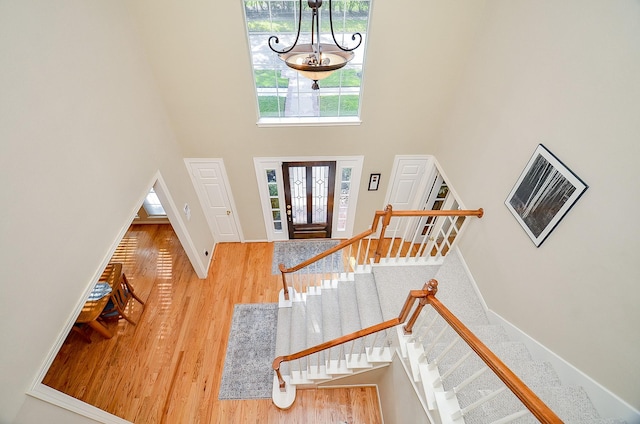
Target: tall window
274,199
282,92
343,204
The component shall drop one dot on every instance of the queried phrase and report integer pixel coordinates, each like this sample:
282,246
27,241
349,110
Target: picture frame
374,181
543,194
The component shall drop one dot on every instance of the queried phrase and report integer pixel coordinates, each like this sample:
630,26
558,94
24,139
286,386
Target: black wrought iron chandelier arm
276,40
333,34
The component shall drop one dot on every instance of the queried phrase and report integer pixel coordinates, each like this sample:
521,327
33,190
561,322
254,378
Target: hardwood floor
167,368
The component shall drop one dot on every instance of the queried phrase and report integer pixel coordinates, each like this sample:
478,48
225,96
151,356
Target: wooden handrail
284,271
447,212
427,295
386,216
533,403
404,313
326,253
389,213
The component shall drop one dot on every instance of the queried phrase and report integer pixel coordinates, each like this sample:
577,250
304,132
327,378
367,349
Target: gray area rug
293,252
250,352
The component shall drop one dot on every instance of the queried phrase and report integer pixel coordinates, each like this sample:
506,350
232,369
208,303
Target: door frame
309,228
262,164
47,394
228,194
398,183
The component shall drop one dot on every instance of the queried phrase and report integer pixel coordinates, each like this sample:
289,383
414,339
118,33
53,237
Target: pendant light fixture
315,60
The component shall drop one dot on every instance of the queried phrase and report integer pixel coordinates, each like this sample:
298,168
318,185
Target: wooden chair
120,296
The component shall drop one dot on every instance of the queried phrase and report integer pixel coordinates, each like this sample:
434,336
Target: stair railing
414,295
428,335
405,242
425,297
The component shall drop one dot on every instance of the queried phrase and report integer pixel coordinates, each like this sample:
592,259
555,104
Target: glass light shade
297,59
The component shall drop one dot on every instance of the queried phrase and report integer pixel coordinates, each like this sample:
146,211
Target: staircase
438,363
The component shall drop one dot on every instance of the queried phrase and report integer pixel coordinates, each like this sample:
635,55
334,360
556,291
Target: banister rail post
388,210
533,403
431,288
276,368
284,281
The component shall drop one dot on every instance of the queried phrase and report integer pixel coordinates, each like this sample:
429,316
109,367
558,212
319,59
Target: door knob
228,212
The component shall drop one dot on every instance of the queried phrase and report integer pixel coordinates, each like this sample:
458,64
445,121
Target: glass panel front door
309,188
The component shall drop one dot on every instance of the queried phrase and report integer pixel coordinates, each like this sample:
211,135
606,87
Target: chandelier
315,60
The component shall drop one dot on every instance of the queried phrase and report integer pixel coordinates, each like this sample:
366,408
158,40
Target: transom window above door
283,95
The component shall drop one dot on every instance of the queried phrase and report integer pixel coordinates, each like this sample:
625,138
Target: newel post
276,368
431,288
388,210
284,281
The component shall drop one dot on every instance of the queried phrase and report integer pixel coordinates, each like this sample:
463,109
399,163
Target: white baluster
393,238
477,403
512,417
444,352
435,341
428,328
455,366
375,339
469,380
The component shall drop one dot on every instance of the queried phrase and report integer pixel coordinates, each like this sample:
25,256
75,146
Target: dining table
92,309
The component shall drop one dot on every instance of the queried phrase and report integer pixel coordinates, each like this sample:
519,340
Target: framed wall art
543,194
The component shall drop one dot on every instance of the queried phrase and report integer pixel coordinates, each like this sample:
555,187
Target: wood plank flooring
167,368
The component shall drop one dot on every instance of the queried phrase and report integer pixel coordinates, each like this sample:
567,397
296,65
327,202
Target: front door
308,191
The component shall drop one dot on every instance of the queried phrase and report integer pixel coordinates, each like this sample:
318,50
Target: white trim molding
55,397
262,164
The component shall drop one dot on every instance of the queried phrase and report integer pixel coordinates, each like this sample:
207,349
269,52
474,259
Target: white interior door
210,180
408,184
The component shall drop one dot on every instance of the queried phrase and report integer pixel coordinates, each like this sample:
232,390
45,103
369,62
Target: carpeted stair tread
457,293
314,326
490,335
368,301
536,374
283,336
331,326
298,332
508,352
369,307
394,283
512,352
502,405
571,404
349,313
283,332
373,298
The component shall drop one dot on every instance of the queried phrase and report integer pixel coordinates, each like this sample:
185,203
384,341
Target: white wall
564,74
82,134
199,53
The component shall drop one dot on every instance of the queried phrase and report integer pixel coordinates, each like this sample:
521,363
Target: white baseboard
470,276
606,403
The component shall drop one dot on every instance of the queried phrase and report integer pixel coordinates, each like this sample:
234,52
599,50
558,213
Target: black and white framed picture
543,194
